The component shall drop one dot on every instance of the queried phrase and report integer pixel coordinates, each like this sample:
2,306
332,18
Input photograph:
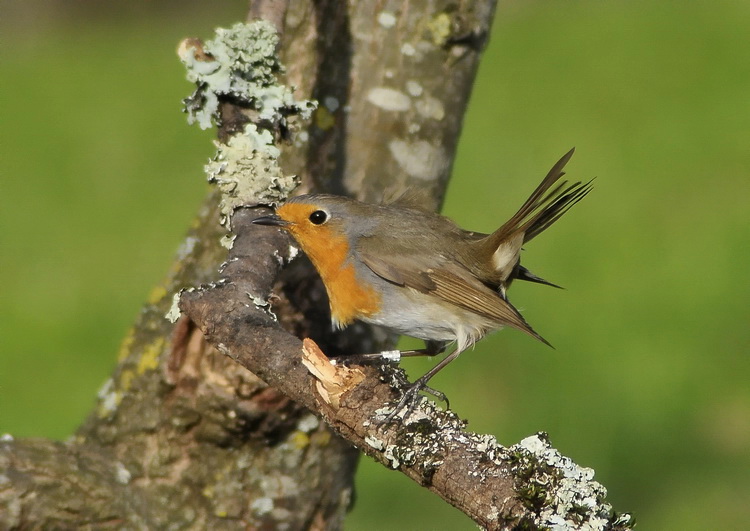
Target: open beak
273,220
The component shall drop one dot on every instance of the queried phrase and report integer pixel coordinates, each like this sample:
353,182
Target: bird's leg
432,348
410,398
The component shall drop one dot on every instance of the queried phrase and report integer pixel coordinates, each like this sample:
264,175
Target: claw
411,398
437,394
407,404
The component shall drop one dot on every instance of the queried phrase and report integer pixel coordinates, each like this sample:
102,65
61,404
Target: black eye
318,217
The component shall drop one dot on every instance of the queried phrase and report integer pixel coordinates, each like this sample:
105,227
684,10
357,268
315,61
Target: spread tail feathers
551,199
545,205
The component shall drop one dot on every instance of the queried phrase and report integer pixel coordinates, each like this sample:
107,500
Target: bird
417,273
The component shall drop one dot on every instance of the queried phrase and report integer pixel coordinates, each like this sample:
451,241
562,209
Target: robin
416,272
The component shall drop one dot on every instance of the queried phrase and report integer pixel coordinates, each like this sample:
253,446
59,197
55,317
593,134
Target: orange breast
348,297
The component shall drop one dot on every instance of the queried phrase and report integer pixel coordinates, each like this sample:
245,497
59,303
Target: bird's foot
411,398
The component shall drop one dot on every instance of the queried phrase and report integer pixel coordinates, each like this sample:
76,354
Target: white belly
418,315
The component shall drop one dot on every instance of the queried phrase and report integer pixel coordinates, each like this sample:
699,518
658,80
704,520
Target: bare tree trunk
184,436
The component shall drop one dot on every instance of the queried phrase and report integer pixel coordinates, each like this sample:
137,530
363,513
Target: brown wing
449,282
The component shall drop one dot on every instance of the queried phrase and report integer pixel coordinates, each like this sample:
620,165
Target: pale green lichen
440,29
374,442
239,63
387,19
174,310
419,158
108,398
389,99
299,440
149,359
227,241
126,345
246,171
563,495
324,119
157,294
122,474
262,506
308,423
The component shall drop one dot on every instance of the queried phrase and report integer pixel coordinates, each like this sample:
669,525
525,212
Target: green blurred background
649,382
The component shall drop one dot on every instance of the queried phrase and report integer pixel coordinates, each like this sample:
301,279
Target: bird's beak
273,220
